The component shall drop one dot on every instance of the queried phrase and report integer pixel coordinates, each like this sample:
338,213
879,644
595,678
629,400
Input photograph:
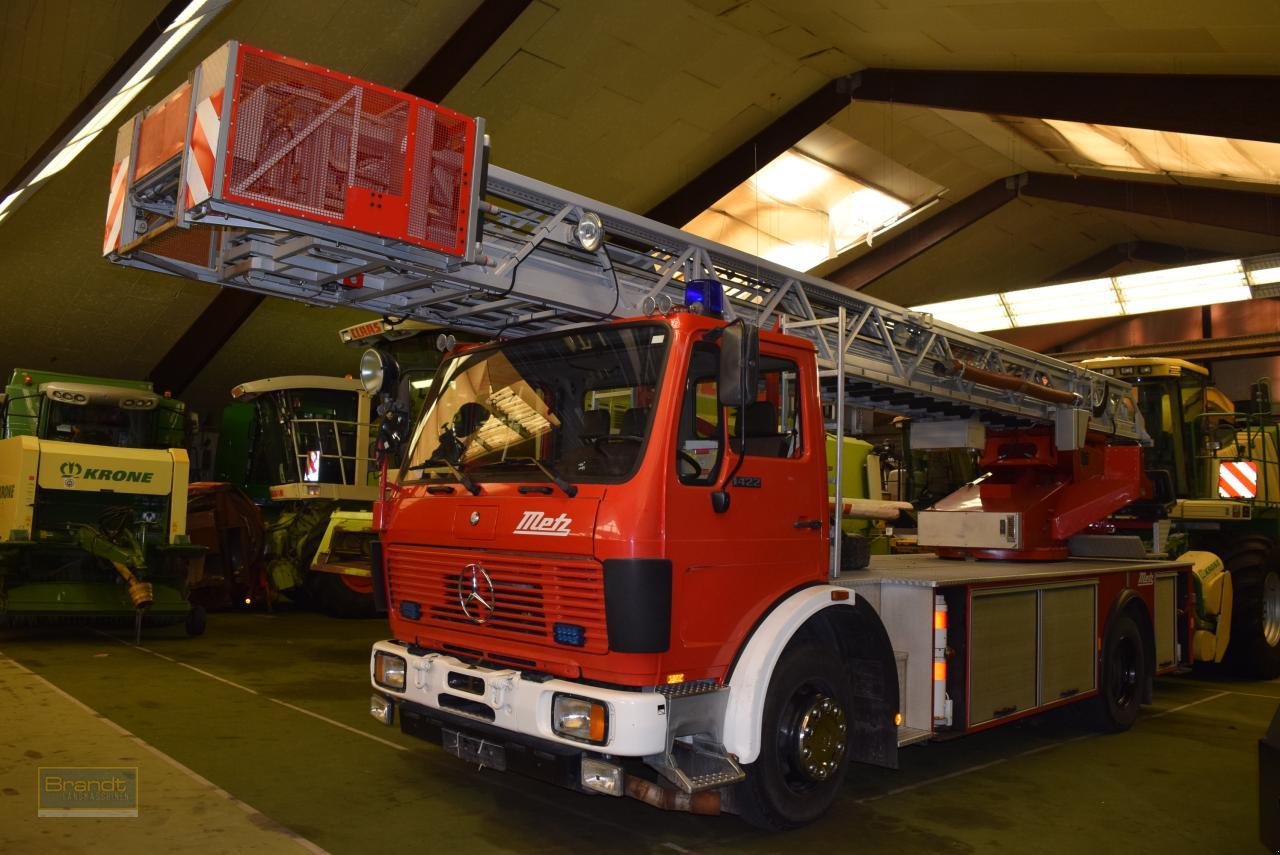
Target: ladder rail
512,265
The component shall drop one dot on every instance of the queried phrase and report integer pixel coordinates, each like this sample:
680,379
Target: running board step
697,766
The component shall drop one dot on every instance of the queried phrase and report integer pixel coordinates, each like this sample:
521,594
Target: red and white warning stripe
204,136
1237,479
115,205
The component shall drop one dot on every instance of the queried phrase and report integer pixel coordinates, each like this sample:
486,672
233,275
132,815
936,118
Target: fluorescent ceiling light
62,157
197,7
1075,301
983,313
172,39
1180,287
1262,275
189,21
797,212
1116,296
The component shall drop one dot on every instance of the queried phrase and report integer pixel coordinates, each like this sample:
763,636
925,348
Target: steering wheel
683,457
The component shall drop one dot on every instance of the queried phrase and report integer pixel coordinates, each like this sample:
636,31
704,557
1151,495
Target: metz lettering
118,475
536,522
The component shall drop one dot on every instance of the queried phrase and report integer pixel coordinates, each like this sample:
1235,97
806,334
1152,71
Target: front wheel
1123,671
804,742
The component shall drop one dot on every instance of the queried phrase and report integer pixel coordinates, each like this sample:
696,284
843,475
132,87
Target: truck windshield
579,403
100,424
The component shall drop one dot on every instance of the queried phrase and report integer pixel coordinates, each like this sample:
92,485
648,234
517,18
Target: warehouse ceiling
638,104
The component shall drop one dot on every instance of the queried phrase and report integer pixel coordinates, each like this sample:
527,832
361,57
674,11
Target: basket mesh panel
189,245
440,153
304,136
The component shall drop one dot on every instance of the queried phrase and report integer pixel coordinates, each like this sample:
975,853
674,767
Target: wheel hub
1124,672
821,738
1271,608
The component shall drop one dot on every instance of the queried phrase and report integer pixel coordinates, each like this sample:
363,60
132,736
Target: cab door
730,567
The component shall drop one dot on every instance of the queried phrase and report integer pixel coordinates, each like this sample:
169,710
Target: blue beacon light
705,293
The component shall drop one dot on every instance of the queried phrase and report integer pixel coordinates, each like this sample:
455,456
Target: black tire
338,600
1254,648
855,552
1123,673
196,620
784,789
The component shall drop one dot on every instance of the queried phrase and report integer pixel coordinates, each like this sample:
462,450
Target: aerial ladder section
282,178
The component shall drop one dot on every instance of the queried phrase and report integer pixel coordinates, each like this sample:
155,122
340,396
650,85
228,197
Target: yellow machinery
93,493
1216,474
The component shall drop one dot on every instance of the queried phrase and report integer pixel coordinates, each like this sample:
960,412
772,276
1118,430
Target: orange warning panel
164,131
1237,479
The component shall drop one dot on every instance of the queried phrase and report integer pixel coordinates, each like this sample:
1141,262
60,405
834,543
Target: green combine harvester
93,495
304,448
299,446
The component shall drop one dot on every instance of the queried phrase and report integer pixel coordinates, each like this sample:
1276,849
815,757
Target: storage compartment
1067,636
1002,654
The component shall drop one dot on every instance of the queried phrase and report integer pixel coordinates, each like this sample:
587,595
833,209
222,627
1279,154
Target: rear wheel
804,742
343,596
1123,671
1254,648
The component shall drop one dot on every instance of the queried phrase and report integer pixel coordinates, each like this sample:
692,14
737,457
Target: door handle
803,523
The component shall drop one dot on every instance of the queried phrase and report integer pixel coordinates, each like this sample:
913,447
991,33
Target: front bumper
513,703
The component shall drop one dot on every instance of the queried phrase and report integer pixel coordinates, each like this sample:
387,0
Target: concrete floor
256,737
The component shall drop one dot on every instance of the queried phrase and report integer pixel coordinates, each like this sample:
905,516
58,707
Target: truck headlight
580,718
388,670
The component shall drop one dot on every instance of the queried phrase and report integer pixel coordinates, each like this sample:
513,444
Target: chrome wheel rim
820,738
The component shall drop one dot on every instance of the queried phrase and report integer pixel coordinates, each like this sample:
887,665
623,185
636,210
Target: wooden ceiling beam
1234,106
1151,252
1242,210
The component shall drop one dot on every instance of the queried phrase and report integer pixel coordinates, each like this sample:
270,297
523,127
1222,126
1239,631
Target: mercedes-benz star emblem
475,593
475,517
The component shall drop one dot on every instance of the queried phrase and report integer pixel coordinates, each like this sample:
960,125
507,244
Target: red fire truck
608,557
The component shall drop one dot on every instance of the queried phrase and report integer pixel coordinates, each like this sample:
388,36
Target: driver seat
633,421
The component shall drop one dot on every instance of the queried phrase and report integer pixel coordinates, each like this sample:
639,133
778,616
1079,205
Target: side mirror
739,364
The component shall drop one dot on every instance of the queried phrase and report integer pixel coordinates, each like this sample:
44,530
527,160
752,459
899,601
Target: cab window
772,421
700,434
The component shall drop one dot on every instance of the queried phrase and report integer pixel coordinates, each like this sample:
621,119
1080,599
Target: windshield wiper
463,478
570,490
